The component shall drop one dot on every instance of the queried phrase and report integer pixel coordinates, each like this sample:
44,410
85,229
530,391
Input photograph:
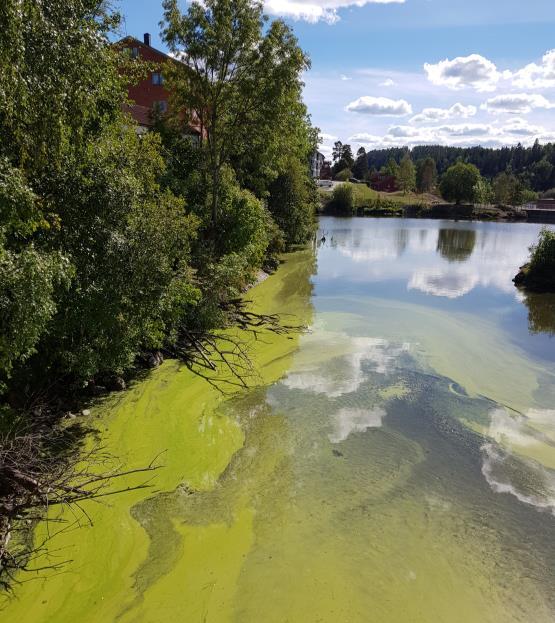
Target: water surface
394,465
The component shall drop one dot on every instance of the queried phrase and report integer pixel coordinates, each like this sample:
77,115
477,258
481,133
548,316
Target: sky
410,72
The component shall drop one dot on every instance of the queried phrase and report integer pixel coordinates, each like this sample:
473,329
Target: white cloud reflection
513,438
347,421
349,375
448,262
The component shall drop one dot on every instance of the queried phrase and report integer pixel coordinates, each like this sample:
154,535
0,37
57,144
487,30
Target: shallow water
395,464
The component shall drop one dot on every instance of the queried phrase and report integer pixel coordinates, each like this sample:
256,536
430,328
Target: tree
337,151
391,168
59,82
292,203
360,168
483,192
343,158
235,74
507,189
407,174
542,174
459,182
426,175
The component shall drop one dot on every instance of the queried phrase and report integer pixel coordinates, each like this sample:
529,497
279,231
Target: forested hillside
535,166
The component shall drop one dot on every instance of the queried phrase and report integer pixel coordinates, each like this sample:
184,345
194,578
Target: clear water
397,465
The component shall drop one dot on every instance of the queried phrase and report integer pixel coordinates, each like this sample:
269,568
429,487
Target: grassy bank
360,200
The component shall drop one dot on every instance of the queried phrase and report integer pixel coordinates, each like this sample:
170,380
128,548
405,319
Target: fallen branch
34,478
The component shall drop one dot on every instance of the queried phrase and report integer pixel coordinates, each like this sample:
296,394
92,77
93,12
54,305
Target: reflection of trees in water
456,245
402,240
541,312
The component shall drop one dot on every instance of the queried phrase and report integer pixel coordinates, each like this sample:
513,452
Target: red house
383,183
150,95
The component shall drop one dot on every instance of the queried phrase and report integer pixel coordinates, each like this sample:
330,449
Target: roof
141,114
134,41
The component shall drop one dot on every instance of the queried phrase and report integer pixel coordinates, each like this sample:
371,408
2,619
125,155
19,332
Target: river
395,464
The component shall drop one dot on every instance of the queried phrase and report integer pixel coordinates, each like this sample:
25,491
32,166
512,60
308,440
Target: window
134,52
157,78
161,106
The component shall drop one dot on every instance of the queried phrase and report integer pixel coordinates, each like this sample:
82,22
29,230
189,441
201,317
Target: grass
370,202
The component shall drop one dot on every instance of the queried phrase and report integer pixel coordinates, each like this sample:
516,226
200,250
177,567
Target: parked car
325,183
354,180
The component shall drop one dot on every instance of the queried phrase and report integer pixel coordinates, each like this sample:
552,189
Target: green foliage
391,168
240,74
541,174
534,165
528,196
129,243
380,206
426,175
343,200
360,168
459,182
111,242
541,270
292,203
507,189
549,194
407,174
343,176
58,77
28,281
483,192
342,158
243,225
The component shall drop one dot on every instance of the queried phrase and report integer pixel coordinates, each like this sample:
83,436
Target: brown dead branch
34,478
222,357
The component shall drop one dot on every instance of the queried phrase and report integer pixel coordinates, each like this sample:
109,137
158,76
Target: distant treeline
535,165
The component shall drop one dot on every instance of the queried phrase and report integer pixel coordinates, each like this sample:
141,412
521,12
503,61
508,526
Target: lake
394,464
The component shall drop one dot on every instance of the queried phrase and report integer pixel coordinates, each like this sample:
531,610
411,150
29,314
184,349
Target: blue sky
389,72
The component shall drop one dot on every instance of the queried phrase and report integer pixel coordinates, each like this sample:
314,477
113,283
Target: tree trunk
215,194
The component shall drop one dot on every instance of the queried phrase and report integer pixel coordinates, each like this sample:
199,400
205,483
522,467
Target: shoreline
439,212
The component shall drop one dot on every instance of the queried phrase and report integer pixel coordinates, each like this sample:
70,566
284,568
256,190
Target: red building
383,183
150,95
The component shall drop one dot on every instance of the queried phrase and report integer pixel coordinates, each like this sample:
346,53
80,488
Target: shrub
344,175
383,207
528,196
343,199
542,259
539,273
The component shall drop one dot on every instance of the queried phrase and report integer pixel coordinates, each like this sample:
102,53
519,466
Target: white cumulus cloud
438,114
313,11
517,103
456,134
473,71
388,83
521,127
535,76
382,106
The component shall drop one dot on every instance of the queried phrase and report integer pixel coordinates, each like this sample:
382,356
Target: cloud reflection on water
347,421
507,462
347,376
441,258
